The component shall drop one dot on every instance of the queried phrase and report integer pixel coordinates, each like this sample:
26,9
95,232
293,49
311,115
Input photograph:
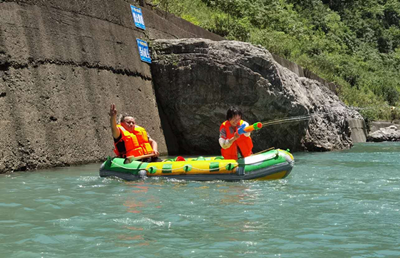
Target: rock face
197,80
389,134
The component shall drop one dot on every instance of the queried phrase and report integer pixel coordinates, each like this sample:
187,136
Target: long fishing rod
259,125
287,120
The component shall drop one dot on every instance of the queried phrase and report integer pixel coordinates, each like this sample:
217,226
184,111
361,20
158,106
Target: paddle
272,148
133,158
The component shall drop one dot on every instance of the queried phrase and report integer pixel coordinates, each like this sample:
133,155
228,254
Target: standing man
392,114
131,140
231,142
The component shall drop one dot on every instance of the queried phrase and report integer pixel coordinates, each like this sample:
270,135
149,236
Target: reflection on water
133,204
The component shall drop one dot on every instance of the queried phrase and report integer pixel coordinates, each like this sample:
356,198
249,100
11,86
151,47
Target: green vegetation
353,43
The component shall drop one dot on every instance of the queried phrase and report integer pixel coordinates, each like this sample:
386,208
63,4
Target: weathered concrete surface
358,130
303,72
390,134
162,25
197,80
62,64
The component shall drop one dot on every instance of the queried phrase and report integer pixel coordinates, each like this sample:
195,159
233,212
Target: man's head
234,115
128,122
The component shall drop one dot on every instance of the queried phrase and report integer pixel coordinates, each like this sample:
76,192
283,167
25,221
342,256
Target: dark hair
233,111
122,117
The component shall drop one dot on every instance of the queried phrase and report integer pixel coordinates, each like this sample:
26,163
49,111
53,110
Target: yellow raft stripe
196,167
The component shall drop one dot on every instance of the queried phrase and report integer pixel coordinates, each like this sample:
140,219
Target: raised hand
113,110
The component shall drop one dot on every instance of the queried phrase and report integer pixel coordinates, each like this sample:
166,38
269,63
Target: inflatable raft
268,165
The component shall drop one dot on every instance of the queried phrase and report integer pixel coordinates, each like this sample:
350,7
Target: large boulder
196,80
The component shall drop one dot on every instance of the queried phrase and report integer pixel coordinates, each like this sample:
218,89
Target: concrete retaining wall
358,130
302,72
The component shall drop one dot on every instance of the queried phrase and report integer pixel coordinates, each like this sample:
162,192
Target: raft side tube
192,167
261,173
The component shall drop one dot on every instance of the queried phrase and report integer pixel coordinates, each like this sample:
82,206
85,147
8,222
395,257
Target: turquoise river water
336,204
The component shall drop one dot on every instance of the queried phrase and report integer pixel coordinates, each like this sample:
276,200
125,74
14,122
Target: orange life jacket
143,140
244,143
136,143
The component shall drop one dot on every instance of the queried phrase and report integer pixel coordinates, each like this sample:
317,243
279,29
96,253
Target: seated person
230,141
130,140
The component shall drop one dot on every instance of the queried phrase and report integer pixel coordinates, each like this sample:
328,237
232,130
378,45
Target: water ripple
337,204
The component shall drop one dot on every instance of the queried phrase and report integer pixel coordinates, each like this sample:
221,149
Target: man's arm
226,143
154,145
113,122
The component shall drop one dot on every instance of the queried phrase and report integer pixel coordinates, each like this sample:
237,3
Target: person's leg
151,159
155,159
240,155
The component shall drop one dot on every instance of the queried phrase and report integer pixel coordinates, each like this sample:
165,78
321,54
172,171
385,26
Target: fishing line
297,118
287,120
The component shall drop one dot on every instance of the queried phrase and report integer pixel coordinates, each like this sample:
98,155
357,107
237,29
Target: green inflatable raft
267,165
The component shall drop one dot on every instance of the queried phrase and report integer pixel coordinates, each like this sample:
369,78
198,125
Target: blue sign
143,51
138,17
